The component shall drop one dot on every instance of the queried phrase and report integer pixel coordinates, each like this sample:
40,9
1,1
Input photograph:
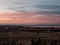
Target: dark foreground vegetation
21,35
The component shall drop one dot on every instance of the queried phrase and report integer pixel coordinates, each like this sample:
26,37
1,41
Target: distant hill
22,25
43,25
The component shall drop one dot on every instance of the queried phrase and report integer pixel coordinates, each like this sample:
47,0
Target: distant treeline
29,29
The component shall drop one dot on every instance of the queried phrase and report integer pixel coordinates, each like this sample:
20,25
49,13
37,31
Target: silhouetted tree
8,43
54,42
32,42
3,43
45,43
13,42
38,41
20,43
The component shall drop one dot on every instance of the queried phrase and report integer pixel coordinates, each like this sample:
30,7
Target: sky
29,11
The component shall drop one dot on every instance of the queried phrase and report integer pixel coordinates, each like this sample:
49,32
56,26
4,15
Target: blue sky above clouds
41,6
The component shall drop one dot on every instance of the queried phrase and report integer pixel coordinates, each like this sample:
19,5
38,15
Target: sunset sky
29,11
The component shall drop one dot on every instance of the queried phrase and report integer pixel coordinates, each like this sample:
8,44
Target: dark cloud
48,6
49,9
41,6
50,12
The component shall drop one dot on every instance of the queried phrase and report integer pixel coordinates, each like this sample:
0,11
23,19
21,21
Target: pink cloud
28,18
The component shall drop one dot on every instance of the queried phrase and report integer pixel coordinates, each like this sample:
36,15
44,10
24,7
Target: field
21,35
